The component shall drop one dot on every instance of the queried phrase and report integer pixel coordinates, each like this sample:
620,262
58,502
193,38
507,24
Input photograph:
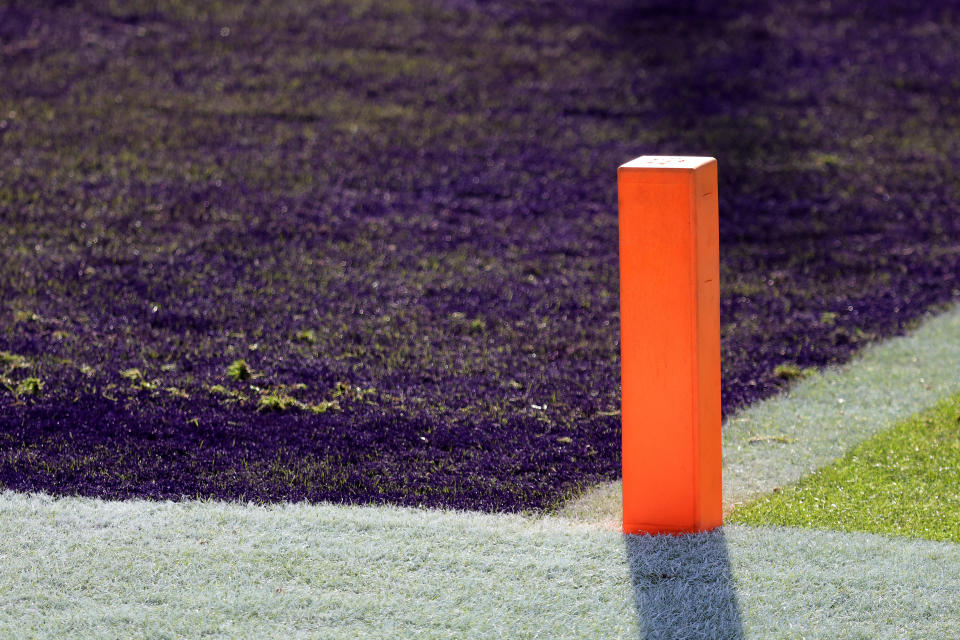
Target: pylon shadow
683,586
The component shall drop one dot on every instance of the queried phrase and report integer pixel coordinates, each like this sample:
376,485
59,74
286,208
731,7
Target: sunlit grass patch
10,361
788,371
278,400
904,481
239,370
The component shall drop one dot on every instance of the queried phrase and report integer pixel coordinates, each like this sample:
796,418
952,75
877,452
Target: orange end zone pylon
670,344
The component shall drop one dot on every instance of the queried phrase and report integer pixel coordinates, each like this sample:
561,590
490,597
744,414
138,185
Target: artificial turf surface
91,569
88,568
402,217
904,481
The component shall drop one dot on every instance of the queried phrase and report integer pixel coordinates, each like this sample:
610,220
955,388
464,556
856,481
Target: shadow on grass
683,586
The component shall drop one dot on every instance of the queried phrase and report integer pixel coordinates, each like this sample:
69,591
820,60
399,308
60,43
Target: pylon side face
670,344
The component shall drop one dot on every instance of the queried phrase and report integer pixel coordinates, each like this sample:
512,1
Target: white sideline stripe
85,568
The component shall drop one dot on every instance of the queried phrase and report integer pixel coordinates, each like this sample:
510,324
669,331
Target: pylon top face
667,162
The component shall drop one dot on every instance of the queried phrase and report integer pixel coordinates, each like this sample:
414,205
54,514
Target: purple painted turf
431,193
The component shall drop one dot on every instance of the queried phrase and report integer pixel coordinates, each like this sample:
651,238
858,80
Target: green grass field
905,482
339,279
